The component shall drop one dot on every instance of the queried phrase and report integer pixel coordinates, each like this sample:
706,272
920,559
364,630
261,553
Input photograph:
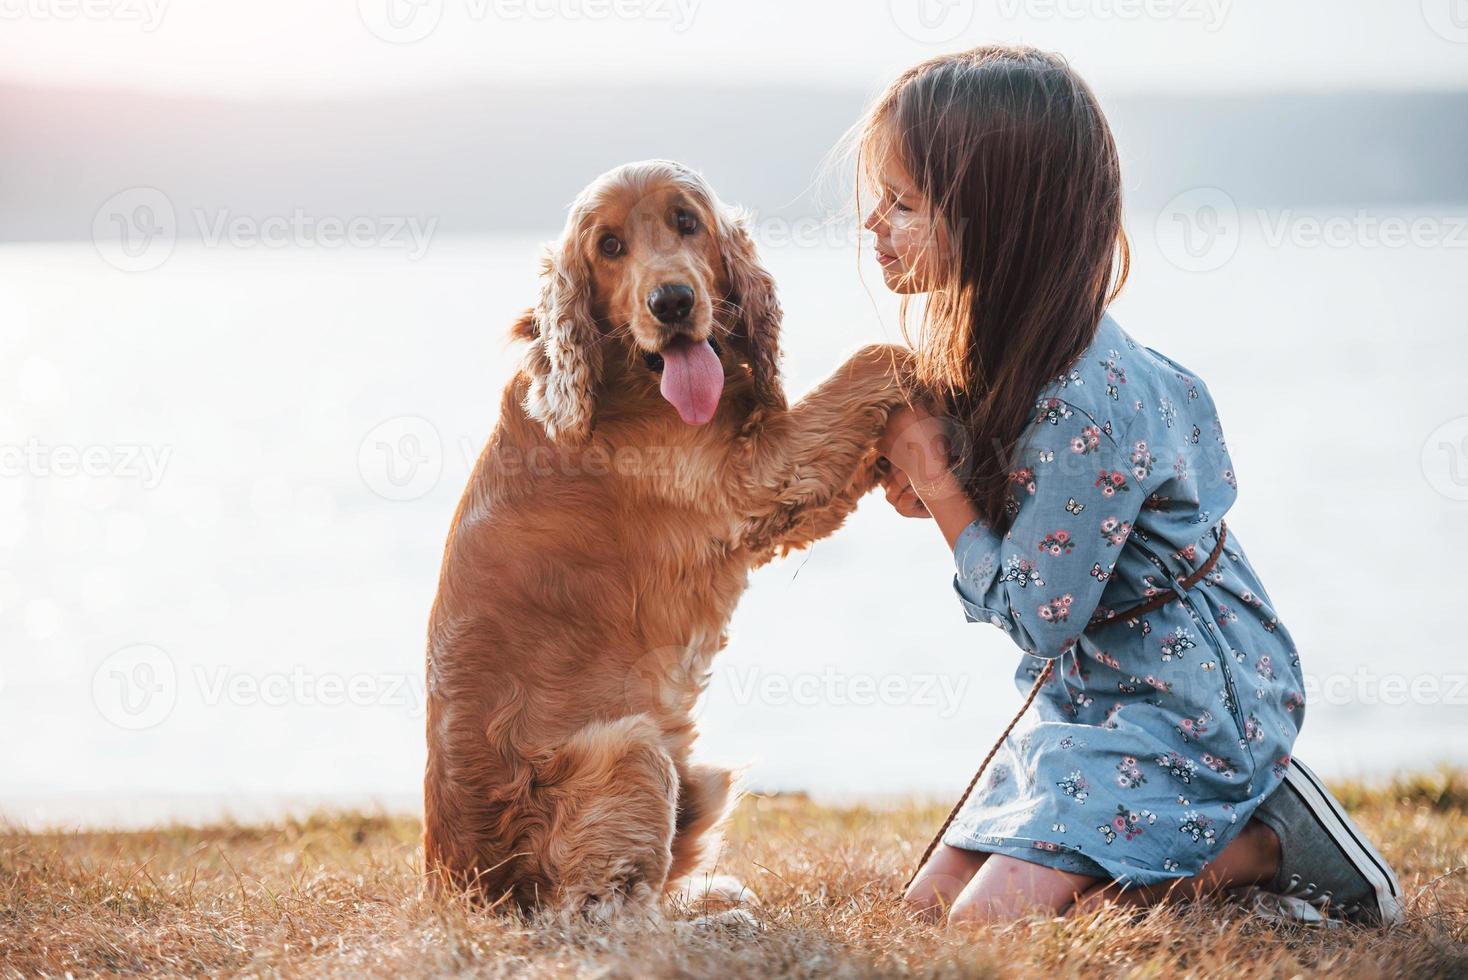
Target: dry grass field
338,895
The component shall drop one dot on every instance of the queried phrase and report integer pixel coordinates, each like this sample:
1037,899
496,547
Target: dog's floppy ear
565,357
752,292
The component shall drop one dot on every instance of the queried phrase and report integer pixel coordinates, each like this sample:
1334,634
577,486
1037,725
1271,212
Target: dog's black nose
671,304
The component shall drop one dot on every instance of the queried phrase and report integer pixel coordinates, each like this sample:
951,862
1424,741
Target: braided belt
1166,595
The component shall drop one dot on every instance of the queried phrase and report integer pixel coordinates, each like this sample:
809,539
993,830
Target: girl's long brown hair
1010,149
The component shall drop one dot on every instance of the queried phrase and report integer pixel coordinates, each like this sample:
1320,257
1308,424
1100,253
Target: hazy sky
306,47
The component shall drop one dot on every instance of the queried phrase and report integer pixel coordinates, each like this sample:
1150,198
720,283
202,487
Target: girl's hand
916,444
900,494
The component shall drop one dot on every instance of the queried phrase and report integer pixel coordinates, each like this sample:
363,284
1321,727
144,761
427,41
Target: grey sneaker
1325,859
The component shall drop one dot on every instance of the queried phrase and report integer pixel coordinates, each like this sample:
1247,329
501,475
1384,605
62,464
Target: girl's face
910,238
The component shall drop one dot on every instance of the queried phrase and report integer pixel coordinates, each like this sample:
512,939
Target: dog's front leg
810,524
810,465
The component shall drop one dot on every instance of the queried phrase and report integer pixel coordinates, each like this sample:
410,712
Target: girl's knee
1008,889
925,902
989,903
972,908
941,881
931,895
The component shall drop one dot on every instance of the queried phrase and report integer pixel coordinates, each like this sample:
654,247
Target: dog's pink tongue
693,379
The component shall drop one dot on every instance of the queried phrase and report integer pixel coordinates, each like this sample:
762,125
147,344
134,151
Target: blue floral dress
1156,736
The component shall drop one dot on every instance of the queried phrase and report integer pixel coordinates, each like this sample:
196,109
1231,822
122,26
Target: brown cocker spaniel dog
644,461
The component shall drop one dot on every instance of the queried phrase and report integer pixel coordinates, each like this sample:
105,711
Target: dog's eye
611,246
686,222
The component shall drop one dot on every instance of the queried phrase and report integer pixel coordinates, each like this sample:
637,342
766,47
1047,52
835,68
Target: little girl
1083,487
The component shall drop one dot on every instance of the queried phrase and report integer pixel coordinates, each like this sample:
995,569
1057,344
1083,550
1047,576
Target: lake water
227,480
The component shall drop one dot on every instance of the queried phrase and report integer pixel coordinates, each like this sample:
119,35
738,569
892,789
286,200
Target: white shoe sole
1350,840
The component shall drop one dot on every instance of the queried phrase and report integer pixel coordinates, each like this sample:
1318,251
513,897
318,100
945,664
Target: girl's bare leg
1007,889
1251,858
973,886
941,880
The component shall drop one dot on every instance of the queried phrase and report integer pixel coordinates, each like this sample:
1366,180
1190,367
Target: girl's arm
1078,500
948,505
